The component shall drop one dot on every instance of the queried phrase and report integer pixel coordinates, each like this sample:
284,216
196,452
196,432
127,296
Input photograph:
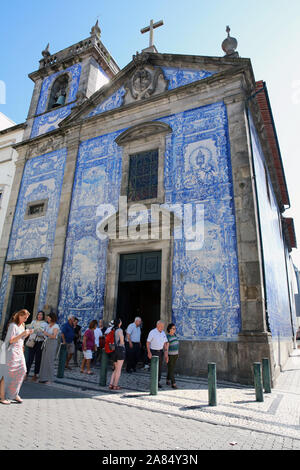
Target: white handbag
2,352
31,340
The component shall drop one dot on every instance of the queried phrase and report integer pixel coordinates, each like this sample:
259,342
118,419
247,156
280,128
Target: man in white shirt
133,344
157,345
98,333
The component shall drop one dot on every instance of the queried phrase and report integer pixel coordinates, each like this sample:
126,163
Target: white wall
7,163
5,122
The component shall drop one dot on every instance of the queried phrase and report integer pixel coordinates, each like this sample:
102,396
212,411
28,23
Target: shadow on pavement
34,391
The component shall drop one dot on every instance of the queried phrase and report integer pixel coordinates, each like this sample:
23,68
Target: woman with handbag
119,355
34,345
49,349
15,360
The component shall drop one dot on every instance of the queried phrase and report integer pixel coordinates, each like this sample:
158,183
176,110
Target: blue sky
268,32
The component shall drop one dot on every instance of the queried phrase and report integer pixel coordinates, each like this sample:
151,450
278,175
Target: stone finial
230,44
140,59
96,31
46,52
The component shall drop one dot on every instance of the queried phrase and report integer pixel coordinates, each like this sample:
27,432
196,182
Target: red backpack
110,342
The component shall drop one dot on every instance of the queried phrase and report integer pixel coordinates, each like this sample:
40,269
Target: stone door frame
22,268
116,248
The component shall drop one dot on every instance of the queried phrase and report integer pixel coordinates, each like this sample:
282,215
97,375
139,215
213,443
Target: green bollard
258,381
266,375
154,375
212,384
103,368
62,361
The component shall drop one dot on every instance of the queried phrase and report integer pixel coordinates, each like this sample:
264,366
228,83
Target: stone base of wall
234,360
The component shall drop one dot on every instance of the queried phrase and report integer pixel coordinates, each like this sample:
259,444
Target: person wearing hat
110,326
108,330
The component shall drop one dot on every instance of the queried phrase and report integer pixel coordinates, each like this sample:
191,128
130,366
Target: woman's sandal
110,387
5,402
116,387
18,399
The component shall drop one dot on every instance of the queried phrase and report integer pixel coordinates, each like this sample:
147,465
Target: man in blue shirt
67,336
133,344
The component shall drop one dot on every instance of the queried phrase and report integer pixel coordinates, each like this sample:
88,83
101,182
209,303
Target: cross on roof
150,28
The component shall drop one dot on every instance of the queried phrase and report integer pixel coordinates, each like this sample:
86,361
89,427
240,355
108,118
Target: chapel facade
156,190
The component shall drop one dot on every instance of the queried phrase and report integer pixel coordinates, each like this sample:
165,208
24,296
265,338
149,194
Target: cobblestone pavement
76,413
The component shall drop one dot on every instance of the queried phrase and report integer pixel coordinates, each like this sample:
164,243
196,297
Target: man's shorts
70,348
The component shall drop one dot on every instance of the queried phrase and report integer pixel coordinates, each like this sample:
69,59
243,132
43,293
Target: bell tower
66,79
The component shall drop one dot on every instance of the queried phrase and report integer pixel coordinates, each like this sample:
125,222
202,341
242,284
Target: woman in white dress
48,356
15,360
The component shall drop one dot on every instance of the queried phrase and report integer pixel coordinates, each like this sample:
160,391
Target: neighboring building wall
5,122
7,166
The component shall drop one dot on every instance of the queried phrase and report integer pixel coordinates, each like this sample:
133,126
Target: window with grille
143,176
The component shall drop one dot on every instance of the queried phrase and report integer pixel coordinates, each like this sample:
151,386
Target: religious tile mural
279,316
97,181
206,302
49,121
34,237
112,102
179,77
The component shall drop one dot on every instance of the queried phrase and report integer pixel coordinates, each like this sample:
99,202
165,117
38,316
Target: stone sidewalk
278,415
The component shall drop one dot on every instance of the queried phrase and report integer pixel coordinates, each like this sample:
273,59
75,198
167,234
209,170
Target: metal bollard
154,375
103,368
212,384
266,375
258,381
62,361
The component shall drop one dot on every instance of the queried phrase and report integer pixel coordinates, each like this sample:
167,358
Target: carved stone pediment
143,130
145,81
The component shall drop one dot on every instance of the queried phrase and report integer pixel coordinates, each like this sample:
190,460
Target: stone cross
151,28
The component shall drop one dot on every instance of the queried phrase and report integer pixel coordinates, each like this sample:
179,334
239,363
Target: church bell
60,100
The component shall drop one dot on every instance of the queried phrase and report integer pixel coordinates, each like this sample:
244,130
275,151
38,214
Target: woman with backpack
119,354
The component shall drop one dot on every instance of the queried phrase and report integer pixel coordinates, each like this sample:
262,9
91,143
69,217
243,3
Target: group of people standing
42,345
165,346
